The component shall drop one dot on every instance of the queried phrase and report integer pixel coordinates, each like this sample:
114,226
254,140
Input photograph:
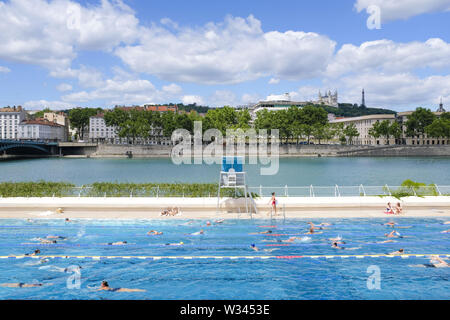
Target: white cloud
42,104
87,77
389,56
49,33
400,91
4,69
191,99
248,98
403,9
172,89
274,81
233,51
116,91
64,87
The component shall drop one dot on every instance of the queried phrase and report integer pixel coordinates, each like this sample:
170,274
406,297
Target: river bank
206,208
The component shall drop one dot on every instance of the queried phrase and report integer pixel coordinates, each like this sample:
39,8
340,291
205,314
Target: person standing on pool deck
273,203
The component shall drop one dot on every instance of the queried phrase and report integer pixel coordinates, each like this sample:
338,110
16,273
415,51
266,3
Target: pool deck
206,208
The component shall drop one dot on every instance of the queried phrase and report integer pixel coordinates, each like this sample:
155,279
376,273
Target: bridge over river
25,148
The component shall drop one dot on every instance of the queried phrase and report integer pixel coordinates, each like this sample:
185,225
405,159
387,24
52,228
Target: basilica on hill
328,99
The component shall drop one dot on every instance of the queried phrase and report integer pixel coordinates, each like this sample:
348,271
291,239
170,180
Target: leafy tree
351,132
440,128
79,119
418,120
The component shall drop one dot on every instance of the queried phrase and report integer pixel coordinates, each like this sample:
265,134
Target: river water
292,171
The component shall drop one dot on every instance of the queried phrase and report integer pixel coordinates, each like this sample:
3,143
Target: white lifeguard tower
232,176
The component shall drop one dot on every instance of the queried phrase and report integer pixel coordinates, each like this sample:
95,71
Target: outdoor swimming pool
289,272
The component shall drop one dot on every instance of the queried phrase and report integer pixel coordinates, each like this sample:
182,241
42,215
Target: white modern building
99,132
41,130
10,118
363,125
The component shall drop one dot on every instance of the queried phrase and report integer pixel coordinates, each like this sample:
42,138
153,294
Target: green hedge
108,189
36,189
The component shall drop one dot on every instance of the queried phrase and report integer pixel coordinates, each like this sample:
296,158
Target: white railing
280,191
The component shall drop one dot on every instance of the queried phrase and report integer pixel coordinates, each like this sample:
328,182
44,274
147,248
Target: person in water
437,262
273,203
21,285
262,232
120,243
394,234
400,251
175,244
35,253
154,233
105,287
255,248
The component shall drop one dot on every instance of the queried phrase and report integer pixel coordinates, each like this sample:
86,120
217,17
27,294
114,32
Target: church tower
363,102
441,107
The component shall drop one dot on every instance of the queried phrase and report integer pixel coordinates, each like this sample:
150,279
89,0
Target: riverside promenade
206,208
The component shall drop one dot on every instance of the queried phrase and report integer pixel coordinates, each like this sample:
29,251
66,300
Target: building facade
41,130
402,118
363,125
99,132
61,119
10,118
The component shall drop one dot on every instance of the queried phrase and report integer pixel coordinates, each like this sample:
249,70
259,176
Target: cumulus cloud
274,81
49,33
116,91
87,76
191,99
403,9
4,69
389,56
64,87
42,104
233,51
401,90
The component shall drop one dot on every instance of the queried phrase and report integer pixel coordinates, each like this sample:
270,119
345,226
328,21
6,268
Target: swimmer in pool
255,248
45,241
201,232
67,220
219,221
208,223
401,251
120,243
35,253
390,224
154,233
447,222
437,262
393,234
57,237
294,239
21,285
335,245
263,232
175,244
105,287
446,231
387,241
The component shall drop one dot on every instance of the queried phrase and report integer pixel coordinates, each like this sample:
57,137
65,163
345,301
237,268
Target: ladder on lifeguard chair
232,176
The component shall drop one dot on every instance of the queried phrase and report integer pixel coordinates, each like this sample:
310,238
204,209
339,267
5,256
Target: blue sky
67,53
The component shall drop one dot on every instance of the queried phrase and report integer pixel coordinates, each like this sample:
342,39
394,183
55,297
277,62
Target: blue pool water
274,278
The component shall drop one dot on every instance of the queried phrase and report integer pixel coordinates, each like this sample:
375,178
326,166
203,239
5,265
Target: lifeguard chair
232,176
